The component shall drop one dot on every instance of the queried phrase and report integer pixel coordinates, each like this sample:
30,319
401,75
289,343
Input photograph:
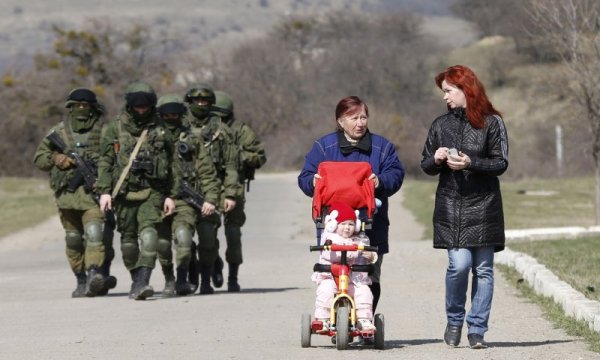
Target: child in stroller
341,227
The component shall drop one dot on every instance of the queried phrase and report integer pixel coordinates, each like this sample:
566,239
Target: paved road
39,320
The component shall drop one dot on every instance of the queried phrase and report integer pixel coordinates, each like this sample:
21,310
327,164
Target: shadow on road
396,344
526,343
267,290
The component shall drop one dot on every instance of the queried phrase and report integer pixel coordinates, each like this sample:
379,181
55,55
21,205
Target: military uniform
217,140
194,167
250,156
140,190
79,213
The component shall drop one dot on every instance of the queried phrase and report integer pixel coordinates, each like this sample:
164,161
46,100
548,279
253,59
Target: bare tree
572,28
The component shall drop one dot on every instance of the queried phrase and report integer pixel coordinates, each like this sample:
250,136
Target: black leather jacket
468,204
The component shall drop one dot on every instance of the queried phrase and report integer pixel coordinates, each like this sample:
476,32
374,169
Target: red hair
349,106
478,104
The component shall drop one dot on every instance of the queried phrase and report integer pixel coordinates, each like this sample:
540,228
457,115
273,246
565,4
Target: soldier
250,156
70,154
216,138
196,171
135,172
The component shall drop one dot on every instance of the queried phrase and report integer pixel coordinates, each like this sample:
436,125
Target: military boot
194,270
182,286
205,275
135,283
232,281
95,281
143,290
169,290
80,289
110,282
217,275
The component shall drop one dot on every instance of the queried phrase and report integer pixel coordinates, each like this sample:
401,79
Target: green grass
552,310
576,262
570,202
25,202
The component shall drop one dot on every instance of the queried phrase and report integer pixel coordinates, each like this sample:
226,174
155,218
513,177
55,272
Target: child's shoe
365,325
326,324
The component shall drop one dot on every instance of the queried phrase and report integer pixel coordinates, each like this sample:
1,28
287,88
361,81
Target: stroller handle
334,247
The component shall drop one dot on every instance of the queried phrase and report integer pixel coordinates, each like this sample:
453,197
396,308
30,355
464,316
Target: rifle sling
125,171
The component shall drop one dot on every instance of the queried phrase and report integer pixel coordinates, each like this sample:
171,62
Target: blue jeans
481,262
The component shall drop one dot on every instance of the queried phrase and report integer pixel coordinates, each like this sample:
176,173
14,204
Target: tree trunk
597,197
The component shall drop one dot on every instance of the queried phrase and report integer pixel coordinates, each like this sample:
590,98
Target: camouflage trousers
176,229
205,227
233,221
139,219
83,249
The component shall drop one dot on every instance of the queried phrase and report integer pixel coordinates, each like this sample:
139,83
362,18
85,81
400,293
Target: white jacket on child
353,258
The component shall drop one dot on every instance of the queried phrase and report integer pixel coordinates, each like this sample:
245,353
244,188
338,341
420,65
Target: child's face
345,228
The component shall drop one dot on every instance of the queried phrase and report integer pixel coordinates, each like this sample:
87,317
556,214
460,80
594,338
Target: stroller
347,182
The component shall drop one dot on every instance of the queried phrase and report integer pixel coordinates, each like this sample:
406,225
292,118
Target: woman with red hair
468,148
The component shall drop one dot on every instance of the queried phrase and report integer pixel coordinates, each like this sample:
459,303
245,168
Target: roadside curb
557,233
545,283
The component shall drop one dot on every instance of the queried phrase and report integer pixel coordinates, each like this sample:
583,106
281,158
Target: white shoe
365,325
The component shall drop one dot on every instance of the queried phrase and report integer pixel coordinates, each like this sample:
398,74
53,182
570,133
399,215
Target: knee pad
93,234
149,240
163,245
184,237
73,239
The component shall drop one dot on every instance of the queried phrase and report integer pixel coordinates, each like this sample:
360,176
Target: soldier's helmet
223,103
170,104
79,95
201,91
140,94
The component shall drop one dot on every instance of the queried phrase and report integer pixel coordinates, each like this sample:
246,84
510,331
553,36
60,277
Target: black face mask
200,111
140,119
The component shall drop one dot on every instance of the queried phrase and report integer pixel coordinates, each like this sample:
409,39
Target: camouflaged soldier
250,156
216,138
195,170
135,172
79,134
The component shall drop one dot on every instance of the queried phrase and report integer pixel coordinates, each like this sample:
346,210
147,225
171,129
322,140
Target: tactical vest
151,166
86,144
212,137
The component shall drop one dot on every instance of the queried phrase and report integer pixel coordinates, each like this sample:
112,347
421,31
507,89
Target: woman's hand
460,162
375,180
315,178
441,155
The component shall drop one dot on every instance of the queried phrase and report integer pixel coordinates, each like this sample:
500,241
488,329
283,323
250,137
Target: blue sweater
385,164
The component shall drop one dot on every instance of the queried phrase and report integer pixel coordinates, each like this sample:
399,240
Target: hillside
26,27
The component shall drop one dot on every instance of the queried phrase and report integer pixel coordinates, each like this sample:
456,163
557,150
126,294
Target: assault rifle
86,172
190,196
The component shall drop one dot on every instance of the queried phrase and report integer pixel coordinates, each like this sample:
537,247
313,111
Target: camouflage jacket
217,139
69,192
250,150
192,164
152,167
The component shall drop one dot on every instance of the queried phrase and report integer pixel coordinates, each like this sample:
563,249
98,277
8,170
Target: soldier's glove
62,161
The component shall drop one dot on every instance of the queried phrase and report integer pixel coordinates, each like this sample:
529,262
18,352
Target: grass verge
552,311
25,202
527,203
576,262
